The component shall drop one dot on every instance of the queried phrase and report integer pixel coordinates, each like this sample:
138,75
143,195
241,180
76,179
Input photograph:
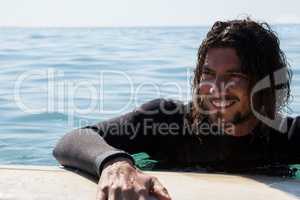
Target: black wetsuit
158,128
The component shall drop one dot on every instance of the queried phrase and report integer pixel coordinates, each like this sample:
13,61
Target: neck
243,128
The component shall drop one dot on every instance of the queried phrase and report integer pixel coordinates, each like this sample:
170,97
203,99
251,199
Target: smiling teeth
221,103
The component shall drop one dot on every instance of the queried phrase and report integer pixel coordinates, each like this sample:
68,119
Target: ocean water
53,80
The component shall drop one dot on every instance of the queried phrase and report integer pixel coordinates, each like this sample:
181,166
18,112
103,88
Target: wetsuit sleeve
89,148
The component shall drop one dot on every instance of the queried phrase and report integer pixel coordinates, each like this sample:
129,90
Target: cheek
241,89
205,88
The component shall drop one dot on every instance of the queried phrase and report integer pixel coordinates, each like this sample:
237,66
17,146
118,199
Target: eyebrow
206,67
235,71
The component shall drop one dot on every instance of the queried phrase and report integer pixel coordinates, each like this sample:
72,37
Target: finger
158,190
143,197
114,193
101,195
119,195
143,194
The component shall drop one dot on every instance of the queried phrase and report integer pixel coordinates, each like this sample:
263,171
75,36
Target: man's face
224,88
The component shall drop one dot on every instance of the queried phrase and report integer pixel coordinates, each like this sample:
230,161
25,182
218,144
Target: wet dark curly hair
258,49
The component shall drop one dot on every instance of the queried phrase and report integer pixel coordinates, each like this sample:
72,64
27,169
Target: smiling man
225,90
230,125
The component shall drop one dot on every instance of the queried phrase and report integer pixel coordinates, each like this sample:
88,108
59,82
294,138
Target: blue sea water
53,80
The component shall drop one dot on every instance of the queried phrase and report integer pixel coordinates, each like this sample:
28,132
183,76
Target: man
231,124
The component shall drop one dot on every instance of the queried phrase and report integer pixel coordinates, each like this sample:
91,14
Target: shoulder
162,105
288,127
293,127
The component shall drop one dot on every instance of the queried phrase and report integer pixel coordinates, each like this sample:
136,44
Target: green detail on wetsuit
142,161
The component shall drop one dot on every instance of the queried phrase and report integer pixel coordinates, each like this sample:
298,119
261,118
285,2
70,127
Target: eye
238,75
207,74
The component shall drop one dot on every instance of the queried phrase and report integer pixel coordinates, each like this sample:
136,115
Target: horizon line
124,26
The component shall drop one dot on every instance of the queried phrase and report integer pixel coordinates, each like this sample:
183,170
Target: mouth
223,103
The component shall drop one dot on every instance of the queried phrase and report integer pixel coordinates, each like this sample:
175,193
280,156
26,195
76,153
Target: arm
89,148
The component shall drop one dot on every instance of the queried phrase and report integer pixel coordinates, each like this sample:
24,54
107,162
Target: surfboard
56,183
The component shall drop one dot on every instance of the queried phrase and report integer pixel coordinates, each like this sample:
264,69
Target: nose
220,87
217,88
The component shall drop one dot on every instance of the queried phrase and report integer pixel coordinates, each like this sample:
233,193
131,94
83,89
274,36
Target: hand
120,180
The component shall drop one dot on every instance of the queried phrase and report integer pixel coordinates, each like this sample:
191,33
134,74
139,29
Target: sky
115,13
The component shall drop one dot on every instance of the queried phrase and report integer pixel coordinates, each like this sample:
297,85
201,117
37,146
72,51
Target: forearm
86,150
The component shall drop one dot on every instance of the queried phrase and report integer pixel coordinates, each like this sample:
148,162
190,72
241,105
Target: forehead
222,59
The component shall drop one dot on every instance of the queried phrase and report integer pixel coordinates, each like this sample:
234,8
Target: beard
238,118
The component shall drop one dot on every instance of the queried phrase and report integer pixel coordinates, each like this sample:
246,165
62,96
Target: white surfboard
54,183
